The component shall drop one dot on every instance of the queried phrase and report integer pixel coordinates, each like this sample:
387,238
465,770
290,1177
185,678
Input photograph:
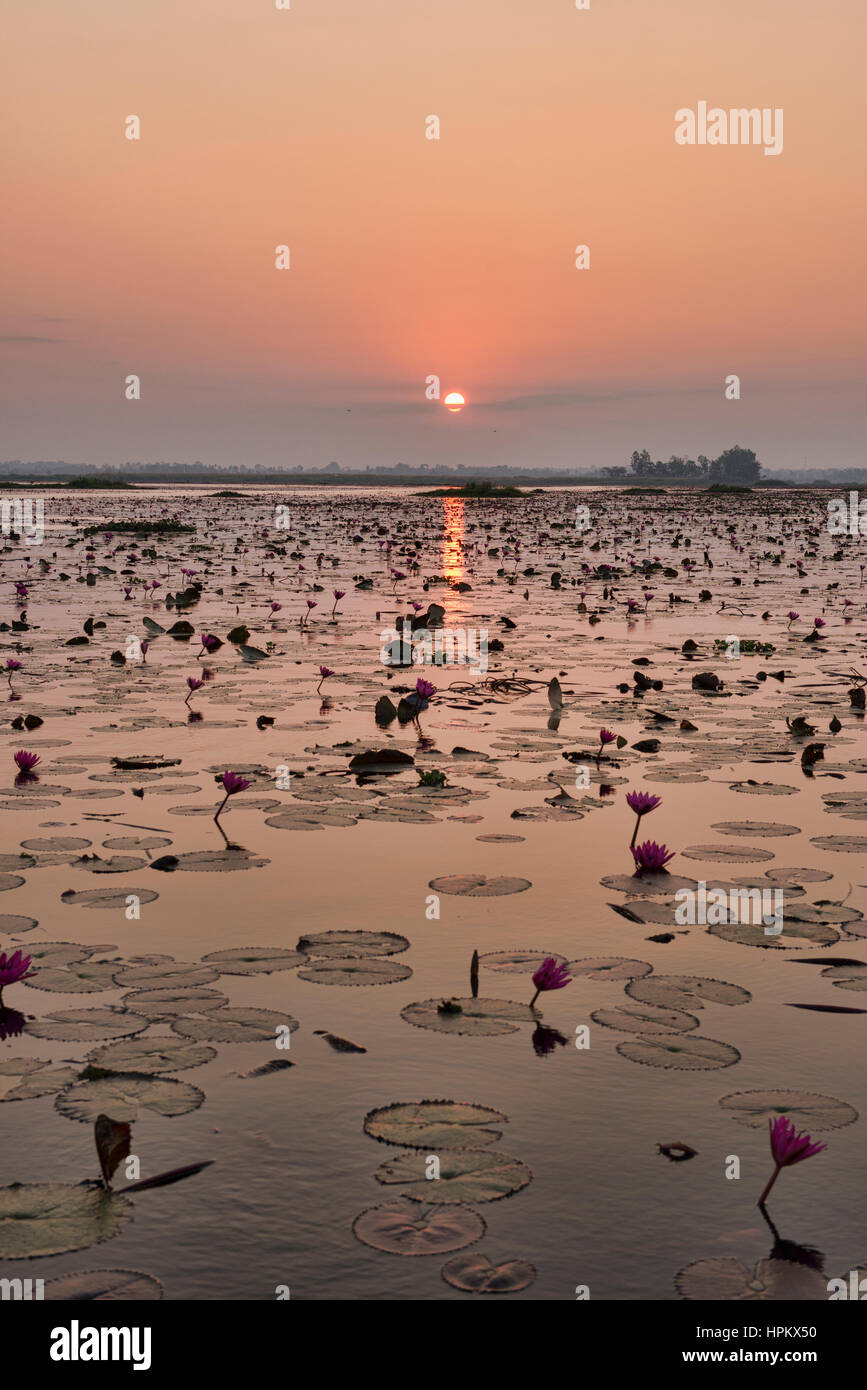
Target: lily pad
177,974
687,991
478,1018
210,861
103,1285
645,1019
407,1228
479,886
236,1025
353,970
109,898
52,1218
608,968
841,844
149,1055
160,1004
727,854
518,962
122,1093
806,1109
79,977
678,1053
727,1279
327,944
87,1025
254,960
434,1124
475,1274
25,1078
466,1175
755,829
795,936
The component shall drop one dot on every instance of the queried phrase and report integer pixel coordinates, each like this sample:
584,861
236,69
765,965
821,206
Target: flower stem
535,997
221,805
635,832
773,1179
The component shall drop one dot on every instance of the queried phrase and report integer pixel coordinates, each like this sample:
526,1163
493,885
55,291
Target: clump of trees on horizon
734,465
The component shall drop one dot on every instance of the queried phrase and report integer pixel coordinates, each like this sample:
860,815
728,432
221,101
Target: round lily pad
87,1025
434,1124
254,960
177,974
609,968
102,1285
678,1053
853,977
25,1078
842,844
353,970
806,1109
687,991
727,1279
474,1273
122,1093
403,1227
479,886
795,936
466,1175
650,884
799,875
108,898
352,943
79,977
645,1019
210,861
478,1018
518,962
149,1055
56,844
755,829
160,1004
727,854
236,1025
137,842
52,1218
12,922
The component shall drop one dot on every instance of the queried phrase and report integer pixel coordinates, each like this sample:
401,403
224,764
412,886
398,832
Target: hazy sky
412,257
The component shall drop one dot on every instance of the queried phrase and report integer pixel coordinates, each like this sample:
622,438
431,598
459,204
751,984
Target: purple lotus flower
324,673
787,1148
195,684
338,595
276,607
791,615
424,689
232,784
642,803
209,643
550,975
605,736
651,857
11,667
25,761
12,970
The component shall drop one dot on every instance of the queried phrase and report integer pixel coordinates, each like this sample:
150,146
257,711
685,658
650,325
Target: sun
454,401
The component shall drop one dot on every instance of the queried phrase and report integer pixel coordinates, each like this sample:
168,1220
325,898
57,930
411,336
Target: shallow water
293,1167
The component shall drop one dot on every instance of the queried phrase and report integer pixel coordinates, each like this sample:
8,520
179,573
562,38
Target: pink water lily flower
25,761
232,783
787,1148
338,595
12,970
651,857
605,737
11,667
324,673
195,684
642,803
551,974
424,689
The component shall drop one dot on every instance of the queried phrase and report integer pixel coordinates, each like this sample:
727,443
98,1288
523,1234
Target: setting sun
454,401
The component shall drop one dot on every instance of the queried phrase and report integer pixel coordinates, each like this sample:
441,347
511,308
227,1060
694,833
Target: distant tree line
735,465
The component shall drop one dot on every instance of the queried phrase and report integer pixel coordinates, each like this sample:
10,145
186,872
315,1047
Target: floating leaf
79,977
724,1278
177,974
254,960
210,861
236,1025
842,844
407,1228
102,1285
148,1055
354,970
122,1093
475,1274
795,936
434,1124
609,968
352,943
52,1218
727,854
25,1078
111,899
161,1004
518,962
479,886
687,991
806,1109
87,1025
678,1053
476,1017
466,1175
645,1019
757,829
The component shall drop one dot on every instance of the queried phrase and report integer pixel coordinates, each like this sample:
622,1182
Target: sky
413,257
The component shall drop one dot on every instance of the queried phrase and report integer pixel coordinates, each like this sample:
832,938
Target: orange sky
413,256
